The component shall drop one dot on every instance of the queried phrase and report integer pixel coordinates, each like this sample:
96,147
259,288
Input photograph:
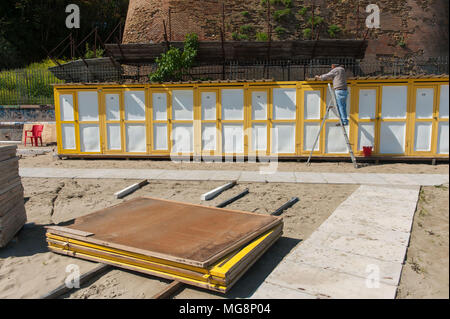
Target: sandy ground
426,271
47,160
28,270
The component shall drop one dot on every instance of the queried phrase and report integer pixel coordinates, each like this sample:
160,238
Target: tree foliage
30,27
175,63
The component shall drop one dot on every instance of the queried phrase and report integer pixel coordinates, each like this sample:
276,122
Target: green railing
27,86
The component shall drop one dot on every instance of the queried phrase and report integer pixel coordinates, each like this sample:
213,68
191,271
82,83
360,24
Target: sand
29,270
48,160
425,274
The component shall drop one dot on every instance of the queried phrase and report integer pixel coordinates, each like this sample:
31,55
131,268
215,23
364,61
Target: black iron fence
34,86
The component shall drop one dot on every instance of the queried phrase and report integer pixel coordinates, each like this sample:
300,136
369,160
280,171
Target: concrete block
310,178
281,177
252,176
360,245
399,179
268,290
357,265
324,283
355,227
224,175
368,179
338,178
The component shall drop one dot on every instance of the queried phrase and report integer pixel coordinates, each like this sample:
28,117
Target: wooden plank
169,291
71,231
55,293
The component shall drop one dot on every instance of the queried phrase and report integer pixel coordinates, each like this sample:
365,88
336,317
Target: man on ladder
339,77
338,101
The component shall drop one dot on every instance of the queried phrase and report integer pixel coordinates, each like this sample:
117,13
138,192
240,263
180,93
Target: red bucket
367,150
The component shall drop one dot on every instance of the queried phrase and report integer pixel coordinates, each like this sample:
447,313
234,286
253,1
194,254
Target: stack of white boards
12,208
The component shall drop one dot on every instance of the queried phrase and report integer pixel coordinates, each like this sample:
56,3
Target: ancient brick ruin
409,28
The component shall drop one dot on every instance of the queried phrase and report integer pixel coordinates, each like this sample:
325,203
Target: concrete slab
272,291
324,283
380,220
224,175
398,179
430,179
355,227
184,175
252,176
357,265
281,177
360,245
338,178
368,179
310,178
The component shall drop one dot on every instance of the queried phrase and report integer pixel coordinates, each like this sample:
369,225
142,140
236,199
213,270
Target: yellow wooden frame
201,121
267,121
248,88
322,108
60,123
105,121
243,122
273,121
172,121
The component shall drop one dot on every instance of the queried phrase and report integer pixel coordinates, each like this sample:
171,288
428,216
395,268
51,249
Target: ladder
333,106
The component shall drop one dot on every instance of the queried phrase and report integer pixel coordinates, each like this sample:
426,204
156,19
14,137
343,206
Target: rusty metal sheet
181,232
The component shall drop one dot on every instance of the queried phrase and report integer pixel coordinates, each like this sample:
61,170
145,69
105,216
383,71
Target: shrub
317,20
287,3
276,2
307,33
281,14
302,11
91,54
246,29
174,64
245,14
262,36
333,30
280,31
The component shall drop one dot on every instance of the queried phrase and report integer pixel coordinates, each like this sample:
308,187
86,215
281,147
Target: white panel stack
12,209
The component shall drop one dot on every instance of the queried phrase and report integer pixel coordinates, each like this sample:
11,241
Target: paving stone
310,178
252,176
360,245
271,291
430,179
368,179
399,179
355,227
324,283
338,178
357,265
184,175
281,177
224,175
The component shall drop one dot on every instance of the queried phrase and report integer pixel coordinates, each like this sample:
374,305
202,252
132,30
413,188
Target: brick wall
409,28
